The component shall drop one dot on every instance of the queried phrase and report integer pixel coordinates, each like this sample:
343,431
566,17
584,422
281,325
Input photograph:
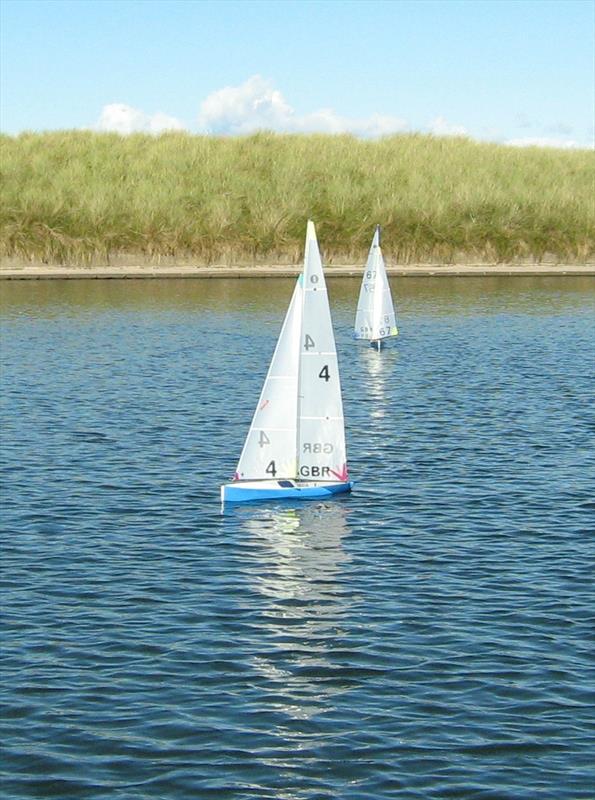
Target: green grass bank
79,197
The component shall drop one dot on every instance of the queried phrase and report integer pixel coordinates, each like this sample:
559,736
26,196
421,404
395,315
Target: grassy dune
81,197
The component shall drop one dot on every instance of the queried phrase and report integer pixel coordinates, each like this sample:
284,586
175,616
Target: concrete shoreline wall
145,272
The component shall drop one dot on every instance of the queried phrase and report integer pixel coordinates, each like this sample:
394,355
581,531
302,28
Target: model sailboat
296,444
375,317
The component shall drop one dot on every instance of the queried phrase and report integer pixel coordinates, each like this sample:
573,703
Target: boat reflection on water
298,564
380,367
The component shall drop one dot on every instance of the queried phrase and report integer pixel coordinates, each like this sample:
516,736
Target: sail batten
272,429
333,418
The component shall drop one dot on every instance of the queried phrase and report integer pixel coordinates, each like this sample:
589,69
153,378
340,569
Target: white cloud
545,141
120,118
558,134
560,128
160,122
440,127
257,105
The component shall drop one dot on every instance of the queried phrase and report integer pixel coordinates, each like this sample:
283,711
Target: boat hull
374,342
253,491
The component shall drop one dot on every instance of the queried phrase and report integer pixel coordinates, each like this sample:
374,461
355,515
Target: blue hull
236,493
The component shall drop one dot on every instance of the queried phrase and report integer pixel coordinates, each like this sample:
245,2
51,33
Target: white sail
270,450
375,317
297,431
321,430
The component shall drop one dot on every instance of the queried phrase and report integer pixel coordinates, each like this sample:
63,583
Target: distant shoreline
90,198
43,272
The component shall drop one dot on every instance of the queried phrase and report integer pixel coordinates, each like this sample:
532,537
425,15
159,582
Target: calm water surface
430,636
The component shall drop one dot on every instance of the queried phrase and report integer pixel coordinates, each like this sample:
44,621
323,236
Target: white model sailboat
295,447
375,316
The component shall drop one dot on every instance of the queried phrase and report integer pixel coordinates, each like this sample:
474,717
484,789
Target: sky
514,71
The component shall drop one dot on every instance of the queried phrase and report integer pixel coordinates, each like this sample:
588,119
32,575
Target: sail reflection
379,366
298,571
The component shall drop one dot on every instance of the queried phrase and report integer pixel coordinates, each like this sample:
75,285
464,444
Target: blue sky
501,70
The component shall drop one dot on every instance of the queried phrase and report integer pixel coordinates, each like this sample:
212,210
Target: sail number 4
271,469
308,344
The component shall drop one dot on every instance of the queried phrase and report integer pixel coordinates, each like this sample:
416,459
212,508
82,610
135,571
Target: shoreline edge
160,272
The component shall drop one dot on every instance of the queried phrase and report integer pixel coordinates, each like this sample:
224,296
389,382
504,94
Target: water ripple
429,636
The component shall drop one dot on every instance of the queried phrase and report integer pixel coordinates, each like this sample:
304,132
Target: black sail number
324,373
309,342
271,469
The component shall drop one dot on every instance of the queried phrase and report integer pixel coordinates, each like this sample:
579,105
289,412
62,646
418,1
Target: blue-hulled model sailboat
295,447
375,316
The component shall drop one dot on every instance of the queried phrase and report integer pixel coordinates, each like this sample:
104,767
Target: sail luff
378,286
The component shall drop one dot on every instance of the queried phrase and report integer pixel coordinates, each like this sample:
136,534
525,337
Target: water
429,636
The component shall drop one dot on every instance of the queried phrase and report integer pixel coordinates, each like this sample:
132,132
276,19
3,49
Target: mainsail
321,429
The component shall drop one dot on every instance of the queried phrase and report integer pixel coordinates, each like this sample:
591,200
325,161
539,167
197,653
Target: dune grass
81,197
